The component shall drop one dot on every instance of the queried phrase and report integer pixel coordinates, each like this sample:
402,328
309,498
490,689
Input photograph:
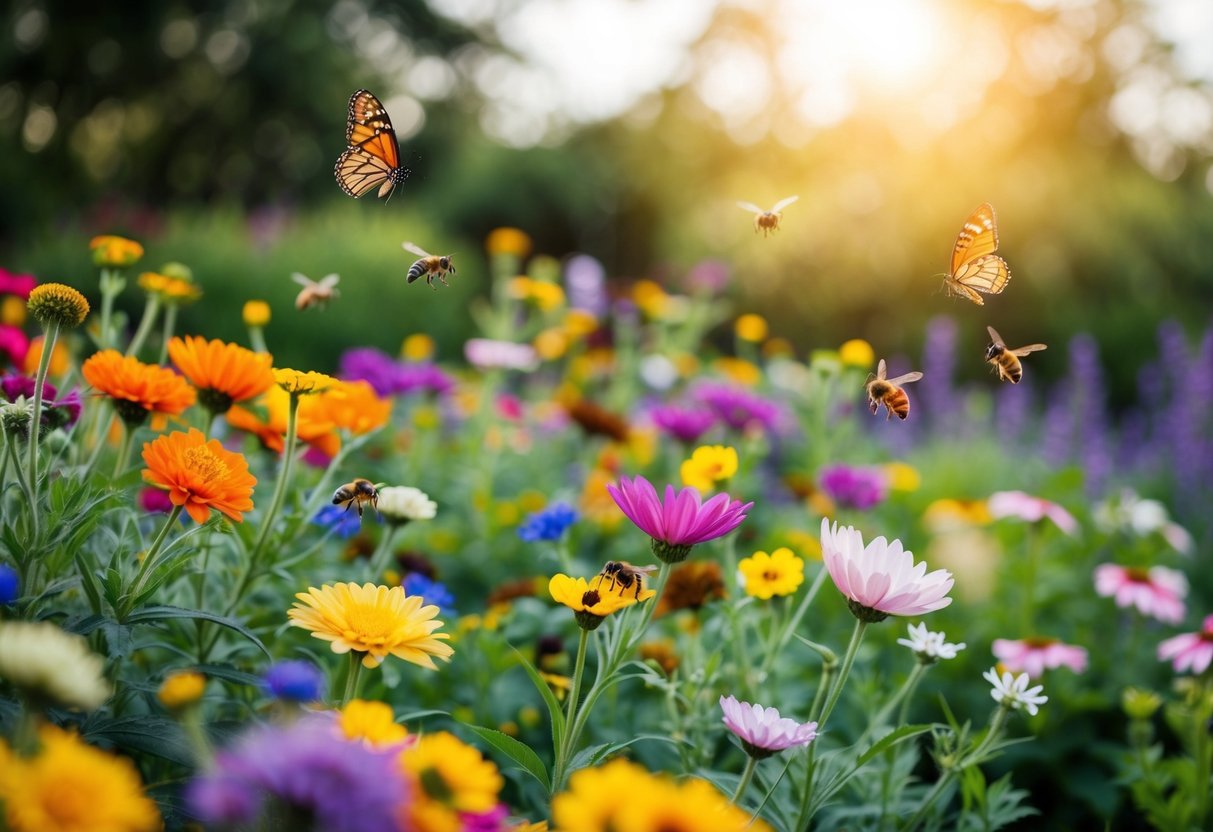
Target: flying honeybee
767,221
886,391
1006,360
356,493
315,293
430,265
625,575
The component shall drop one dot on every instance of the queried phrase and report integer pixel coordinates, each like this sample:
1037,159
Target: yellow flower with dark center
857,353
115,252
776,574
691,586
185,687
508,241
376,621
57,303
301,383
371,722
256,313
450,777
592,601
751,328
223,373
72,787
708,465
137,389
200,475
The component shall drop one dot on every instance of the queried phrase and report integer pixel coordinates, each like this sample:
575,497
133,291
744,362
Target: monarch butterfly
373,157
975,266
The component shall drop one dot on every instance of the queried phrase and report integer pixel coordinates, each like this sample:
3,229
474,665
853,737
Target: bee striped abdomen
417,270
898,402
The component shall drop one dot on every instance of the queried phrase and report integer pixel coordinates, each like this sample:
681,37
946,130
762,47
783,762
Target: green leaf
167,613
88,580
520,753
154,735
889,740
549,698
595,754
414,715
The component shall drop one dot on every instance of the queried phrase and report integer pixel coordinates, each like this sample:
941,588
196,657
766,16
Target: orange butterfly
373,157
975,266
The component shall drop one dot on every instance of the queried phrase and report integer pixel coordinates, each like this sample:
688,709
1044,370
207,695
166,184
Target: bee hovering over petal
1006,361
315,293
430,265
975,266
357,493
625,575
887,391
767,221
372,156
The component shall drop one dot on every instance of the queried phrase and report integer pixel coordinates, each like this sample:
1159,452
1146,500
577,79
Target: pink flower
1030,509
13,345
487,354
1190,651
881,580
17,284
1036,655
680,520
763,731
1157,592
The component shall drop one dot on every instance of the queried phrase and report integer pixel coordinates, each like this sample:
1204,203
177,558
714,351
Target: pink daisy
1030,509
1036,655
763,731
680,520
1157,592
1190,651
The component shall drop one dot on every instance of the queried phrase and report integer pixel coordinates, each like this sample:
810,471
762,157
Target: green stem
902,696
112,283
1027,614
124,454
256,339
646,615
170,323
150,310
844,671
569,740
379,559
351,678
101,439
35,423
746,776
149,560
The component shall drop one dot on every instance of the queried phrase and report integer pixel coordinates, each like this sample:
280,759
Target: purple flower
13,344
585,280
17,284
763,731
431,591
295,680
859,488
58,413
707,276
390,377
680,520
684,424
549,524
307,768
737,408
10,585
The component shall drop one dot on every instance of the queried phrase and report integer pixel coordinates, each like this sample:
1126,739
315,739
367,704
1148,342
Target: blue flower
295,681
548,524
432,591
341,522
9,585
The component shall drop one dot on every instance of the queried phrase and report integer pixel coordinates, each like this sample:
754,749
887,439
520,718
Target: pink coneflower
882,579
679,521
763,731
1036,655
1190,651
1157,592
1030,509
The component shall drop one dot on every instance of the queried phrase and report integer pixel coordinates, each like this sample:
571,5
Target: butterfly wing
358,171
978,238
751,207
1022,351
783,203
413,248
369,127
988,274
906,379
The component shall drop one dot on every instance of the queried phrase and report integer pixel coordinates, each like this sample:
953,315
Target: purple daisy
859,488
738,408
680,520
684,424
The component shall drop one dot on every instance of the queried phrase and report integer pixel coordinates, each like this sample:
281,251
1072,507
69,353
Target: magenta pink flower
680,520
763,731
1157,592
1030,509
882,579
1190,651
1034,656
14,344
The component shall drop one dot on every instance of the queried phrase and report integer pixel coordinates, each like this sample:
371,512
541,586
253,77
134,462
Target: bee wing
995,338
1029,348
783,203
329,281
413,248
881,369
906,379
751,207
302,279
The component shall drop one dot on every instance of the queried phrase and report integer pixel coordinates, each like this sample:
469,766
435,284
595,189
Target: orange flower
352,405
110,250
267,421
199,475
60,357
137,388
223,373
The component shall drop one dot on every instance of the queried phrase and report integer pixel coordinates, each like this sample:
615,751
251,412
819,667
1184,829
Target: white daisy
929,647
1013,693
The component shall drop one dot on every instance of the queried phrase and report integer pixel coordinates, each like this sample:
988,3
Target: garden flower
417,347
181,689
708,465
256,314
200,475
929,647
389,377
591,604
223,373
948,514
340,521
352,406
857,353
1190,651
57,412
59,362
545,296
430,591
680,520
854,487
763,731
313,424
488,354
173,289
112,251
402,504
1012,692
10,585
506,240
738,408
1030,509
691,586
549,524
777,574
72,787
374,621
58,303
371,722
882,579
1129,512
450,779
661,652
17,285
309,771
1158,592
295,680
45,661
14,345
683,424
751,327
901,476
137,389
1140,704
598,421
302,383
1036,655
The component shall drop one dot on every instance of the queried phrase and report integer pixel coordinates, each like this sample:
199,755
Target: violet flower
737,408
858,488
680,520
684,424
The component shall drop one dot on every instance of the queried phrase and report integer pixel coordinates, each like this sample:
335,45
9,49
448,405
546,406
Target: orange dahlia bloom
199,475
352,405
267,421
223,373
137,388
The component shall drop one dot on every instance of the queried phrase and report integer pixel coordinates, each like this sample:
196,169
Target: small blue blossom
295,681
341,522
9,585
433,592
548,524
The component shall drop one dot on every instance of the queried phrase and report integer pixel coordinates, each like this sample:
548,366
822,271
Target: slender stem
569,739
170,323
746,776
4,457
124,454
256,339
35,423
21,558
1027,614
150,310
351,677
901,696
148,560
646,615
844,671
379,559
101,437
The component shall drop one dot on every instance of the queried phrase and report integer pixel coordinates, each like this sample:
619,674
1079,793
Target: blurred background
628,129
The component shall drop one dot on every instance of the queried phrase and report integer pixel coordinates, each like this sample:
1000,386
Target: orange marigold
137,389
223,373
200,475
352,405
267,421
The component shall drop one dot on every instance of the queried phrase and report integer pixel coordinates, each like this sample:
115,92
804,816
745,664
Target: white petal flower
928,646
1013,692
402,503
42,659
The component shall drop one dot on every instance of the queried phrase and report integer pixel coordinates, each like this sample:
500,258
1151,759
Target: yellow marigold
223,373
60,357
902,477
751,327
12,310
857,353
417,347
451,776
376,621
592,601
946,514
508,241
256,313
708,465
579,323
301,383
137,389
778,573
72,787
200,475
738,370
551,344
371,722
546,296
653,300
185,687
352,406
115,252
168,288
57,303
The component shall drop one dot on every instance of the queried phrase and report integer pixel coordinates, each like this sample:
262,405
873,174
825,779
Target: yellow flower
72,787
57,303
653,301
182,688
751,327
256,313
169,288
806,544
591,604
376,621
545,296
708,465
946,514
551,344
451,777
560,685
778,348
12,311
778,573
857,353
113,251
417,347
902,477
738,370
372,722
508,241
60,357
531,501
579,323
296,381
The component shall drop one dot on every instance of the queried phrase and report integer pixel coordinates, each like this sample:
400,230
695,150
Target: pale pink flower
883,577
1036,655
680,520
487,354
1190,651
1158,592
763,731
1030,509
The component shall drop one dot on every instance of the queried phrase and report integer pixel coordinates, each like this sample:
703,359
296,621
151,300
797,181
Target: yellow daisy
590,601
180,689
372,722
301,383
708,465
451,778
778,573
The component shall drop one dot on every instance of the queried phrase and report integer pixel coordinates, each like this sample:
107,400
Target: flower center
1039,641
434,786
590,598
1137,575
202,461
371,626
770,575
